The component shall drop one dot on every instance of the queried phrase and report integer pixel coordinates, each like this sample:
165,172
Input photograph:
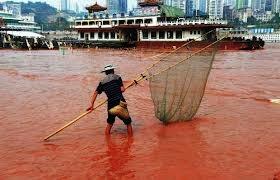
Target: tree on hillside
59,24
252,21
275,21
236,23
41,10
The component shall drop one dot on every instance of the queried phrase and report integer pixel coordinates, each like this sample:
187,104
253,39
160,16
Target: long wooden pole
68,124
140,78
87,112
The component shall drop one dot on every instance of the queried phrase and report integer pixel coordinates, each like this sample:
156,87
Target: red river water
235,134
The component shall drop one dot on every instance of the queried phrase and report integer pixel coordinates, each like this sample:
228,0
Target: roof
27,34
149,3
169,11
163,28
96,8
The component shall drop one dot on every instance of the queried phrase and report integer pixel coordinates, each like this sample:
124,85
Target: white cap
108,67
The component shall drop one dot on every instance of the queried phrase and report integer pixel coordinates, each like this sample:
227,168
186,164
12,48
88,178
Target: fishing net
178,82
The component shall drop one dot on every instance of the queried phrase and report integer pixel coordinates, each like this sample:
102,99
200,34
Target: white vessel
151,26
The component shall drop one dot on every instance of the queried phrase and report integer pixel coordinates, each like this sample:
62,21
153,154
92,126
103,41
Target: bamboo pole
135,82
140,78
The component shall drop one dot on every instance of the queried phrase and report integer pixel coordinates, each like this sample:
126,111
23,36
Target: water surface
235,134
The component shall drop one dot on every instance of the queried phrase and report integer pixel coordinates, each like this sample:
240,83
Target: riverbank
235,134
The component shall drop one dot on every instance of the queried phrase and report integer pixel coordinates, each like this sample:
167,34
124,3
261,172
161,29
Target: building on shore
276,6
116,6
19,31
23,22
215,9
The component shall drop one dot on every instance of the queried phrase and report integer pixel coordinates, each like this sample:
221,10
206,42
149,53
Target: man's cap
108,67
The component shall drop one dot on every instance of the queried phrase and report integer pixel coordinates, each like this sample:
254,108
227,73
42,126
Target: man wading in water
113,87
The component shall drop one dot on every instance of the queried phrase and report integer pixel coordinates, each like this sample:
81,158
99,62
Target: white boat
151,26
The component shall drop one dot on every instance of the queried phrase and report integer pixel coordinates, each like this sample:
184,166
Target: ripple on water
234,136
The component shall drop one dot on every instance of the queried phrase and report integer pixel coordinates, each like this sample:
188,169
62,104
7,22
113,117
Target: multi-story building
215,9
228,12
229,3
168,2
189,9
264,16
181,4
200,7
1,7
25,22
77,8
258,5
243,14
64,5
241,4
116,6
268,5
276,6
203,6
14,8
123,6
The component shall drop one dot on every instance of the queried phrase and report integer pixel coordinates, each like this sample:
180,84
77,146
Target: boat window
82,35
148,21
178,34
113,35
161,35
78,23
100,35
91,22
169,34
194,32
106,22
145,34
198,32
153,34
139,21
121,21
85,23
130,21
99,23
190,32
114,22
106,35
92,35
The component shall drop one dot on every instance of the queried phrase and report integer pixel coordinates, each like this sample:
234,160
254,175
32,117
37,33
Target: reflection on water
235,134
119,154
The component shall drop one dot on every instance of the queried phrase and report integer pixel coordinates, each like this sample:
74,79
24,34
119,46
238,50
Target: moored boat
154,25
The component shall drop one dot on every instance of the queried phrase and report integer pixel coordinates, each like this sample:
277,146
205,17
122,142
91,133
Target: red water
235,135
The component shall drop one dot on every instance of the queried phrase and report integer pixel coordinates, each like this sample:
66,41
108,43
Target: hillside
44,14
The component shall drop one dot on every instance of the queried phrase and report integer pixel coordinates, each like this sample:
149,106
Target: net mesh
177,83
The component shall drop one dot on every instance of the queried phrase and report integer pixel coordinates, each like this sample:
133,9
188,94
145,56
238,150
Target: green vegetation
252,21
45,15
171,12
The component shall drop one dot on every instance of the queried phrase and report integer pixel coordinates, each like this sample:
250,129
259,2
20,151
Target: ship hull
223,45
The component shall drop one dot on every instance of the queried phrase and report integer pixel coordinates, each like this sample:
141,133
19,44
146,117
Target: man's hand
90,108
92,101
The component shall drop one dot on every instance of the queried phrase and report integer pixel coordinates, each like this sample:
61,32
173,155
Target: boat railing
191,22
99,24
